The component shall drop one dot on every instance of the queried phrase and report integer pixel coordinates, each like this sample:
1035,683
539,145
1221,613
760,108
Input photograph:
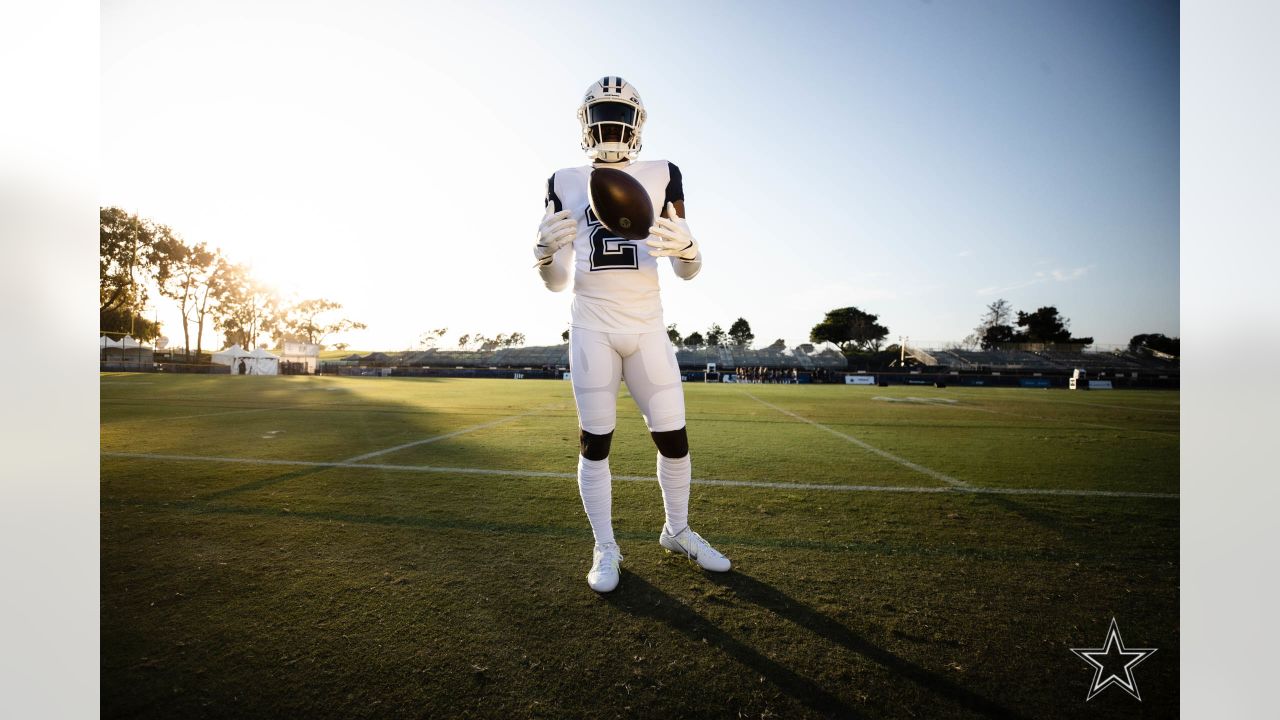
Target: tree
127,259
565,336
515,339
184,275
1045,325
740,333
121,322
850,328
806,348
464,341
694,340
301,322
673,334
431,337
715,335
246,308
779,345
206,294
998,313
341,346
1154,341
996,335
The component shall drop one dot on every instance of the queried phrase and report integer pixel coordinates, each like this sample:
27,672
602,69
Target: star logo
1113,663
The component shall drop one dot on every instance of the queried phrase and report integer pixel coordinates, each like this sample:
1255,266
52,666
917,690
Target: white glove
674,238
557,230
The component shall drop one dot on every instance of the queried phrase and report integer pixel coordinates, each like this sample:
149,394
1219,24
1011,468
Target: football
621,203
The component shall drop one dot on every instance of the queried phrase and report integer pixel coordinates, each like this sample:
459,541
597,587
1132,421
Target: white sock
674,475
595,485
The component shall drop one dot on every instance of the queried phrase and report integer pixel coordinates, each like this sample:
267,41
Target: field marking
497,472
445,436
916,400
868,447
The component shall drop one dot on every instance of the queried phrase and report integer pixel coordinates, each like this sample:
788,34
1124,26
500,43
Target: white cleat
690,543
605,561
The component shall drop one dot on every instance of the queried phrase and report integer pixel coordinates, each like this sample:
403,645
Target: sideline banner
859,379
1100,385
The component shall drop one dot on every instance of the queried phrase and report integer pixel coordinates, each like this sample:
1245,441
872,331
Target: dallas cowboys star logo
1120,659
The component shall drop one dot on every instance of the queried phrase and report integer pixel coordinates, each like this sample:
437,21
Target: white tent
230,355
263,362
124,354
248,362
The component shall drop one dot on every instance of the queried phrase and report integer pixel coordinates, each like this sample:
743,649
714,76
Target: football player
617,328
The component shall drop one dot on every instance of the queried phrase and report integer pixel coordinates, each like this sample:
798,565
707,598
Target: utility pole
133,283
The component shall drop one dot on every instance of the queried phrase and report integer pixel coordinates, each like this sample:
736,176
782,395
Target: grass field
378,547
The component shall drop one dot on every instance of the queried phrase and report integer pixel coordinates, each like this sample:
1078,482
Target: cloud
1072,274
964,253
1057,275
993,289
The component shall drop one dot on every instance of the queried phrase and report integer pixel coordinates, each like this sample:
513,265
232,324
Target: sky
917,160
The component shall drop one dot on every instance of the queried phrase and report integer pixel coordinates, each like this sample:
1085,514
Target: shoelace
702,546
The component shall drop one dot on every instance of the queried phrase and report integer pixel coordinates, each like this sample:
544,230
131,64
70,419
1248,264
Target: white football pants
600,361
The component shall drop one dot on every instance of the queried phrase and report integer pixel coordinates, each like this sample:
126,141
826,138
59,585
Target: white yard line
869,448
438,438
497,472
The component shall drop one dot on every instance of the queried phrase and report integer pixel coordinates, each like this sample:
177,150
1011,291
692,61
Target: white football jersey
615,281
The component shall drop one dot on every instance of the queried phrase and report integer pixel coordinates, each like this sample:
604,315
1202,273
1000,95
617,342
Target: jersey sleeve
551,195
675,186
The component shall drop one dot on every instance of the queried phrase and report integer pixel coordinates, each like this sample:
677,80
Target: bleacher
996,359
1048,360
557,356
735,357
447,358
537,356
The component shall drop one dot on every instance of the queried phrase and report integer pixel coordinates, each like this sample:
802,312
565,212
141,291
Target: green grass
237,590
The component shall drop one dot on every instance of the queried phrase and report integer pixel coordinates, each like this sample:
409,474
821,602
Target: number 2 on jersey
608,251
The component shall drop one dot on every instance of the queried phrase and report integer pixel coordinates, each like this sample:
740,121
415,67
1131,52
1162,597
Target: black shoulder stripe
675,186
551,194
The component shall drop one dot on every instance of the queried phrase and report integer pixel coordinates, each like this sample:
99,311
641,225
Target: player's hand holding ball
557,230
674,238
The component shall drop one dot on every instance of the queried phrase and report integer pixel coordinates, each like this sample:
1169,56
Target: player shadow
641,599
767,597
252,486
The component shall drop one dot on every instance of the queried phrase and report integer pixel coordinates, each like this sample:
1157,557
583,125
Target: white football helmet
611,116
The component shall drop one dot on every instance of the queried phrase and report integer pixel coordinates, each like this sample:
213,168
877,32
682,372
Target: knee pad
595,447
672,443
